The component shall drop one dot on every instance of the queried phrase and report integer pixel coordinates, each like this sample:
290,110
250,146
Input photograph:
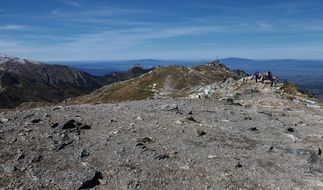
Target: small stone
20,157
200,132
190,118
27,130
145,140
10,168
46,115
253,129
62,145
54,125
114,132
85,127
92,182
36,159
162,157
170,107
69,125
3,120
238,165
103,181
35,120
139,118
84,153
178,122
113,121
291,130
57,108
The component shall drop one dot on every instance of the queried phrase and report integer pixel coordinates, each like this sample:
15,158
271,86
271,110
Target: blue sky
69,30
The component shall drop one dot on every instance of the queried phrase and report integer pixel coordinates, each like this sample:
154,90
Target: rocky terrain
163,82
234,134
31,83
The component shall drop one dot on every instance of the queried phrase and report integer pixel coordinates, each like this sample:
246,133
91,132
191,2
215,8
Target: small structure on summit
214,63
137,65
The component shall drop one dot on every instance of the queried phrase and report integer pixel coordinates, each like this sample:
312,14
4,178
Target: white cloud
73,3
14,27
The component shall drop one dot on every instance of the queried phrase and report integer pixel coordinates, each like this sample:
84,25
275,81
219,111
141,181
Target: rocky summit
234,134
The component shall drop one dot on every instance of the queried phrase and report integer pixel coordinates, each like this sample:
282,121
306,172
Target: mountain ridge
23,81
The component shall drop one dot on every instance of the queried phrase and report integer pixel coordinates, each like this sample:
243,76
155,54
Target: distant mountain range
24,81
100,68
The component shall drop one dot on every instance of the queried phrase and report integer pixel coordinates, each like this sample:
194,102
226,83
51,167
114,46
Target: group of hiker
266,76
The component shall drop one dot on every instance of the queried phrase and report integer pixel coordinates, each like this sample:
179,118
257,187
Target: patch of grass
293,89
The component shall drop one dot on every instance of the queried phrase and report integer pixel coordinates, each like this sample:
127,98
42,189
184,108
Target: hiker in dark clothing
270,77
256,76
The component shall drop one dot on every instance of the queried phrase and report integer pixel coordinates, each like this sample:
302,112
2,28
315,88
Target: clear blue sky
65,30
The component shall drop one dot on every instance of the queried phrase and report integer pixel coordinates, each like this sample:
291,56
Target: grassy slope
141,87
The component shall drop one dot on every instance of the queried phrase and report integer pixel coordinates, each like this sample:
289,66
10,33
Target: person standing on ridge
256,76
270,77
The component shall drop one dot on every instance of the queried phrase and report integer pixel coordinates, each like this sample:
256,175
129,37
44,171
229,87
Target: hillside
254,137
30,82
171,81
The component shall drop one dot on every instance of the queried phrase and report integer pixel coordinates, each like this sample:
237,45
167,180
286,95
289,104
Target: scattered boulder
239,165
3,120
145,140
291,130
85,127
36,159
20,157
71,124
61,145
54,125
162,157
311,156
253,129
179,122
84,153
92,182
10,168
36,121
57,108
113,120
170,107
190,118
200,132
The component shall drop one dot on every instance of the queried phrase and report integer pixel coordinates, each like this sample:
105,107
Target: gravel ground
162,144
